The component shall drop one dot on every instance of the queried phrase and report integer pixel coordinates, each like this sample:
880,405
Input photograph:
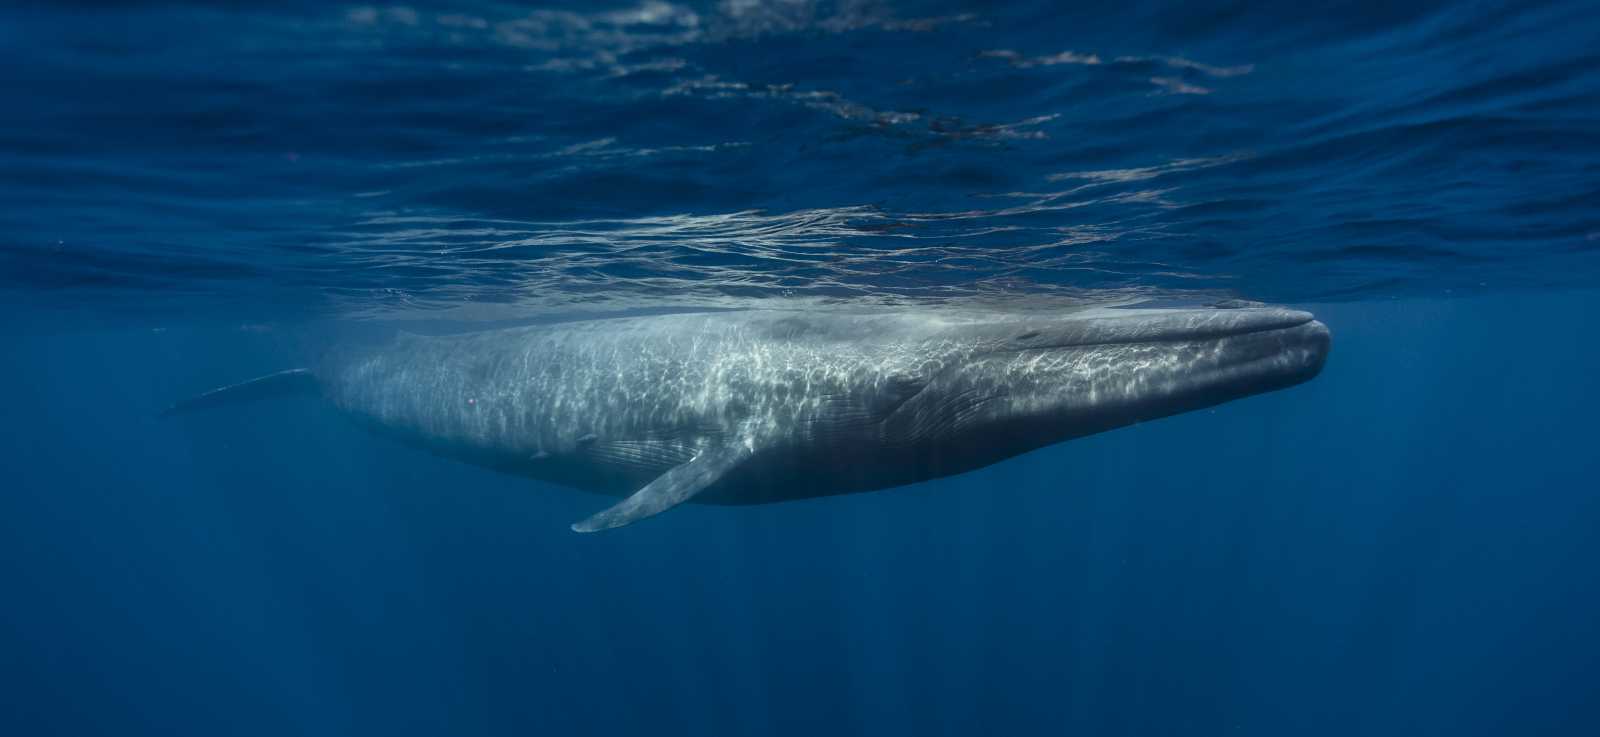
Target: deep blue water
193,194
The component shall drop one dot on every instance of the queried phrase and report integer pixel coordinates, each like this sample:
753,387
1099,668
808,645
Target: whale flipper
282,384
671,488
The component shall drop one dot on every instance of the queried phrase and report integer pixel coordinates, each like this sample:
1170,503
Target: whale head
1034,382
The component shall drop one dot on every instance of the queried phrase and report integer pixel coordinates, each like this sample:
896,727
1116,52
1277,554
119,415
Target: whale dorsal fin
284,383
671,488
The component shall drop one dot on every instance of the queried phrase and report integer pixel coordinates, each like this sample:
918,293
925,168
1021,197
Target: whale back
645,392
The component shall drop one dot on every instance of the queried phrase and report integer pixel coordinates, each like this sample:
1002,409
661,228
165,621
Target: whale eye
1030,335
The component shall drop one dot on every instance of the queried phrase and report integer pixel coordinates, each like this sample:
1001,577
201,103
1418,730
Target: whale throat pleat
670,489
655,456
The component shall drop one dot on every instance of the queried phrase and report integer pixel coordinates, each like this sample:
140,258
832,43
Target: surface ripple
477,159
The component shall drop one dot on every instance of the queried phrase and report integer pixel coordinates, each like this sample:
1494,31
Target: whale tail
294,382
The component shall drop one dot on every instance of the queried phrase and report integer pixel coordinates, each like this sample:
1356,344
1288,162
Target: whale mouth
1278,356
1232,335
1242,352
1121,326
1175,356
1154,363
1257,348
1046,382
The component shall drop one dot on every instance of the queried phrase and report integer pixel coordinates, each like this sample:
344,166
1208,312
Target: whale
760,406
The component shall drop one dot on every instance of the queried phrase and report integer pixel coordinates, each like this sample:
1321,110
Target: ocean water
192,194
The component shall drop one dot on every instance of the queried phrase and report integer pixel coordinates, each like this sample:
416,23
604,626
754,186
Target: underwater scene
784,367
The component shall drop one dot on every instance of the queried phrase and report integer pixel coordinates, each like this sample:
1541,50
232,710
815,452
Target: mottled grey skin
752,407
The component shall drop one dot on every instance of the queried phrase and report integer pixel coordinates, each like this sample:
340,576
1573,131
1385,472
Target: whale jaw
1183,361
1089,375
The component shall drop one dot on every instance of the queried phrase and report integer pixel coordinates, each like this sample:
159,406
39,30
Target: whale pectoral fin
670,489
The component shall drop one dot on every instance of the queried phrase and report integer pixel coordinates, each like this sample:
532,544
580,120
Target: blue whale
762,406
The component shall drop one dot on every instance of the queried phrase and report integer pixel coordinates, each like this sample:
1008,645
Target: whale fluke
289,383
670,489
